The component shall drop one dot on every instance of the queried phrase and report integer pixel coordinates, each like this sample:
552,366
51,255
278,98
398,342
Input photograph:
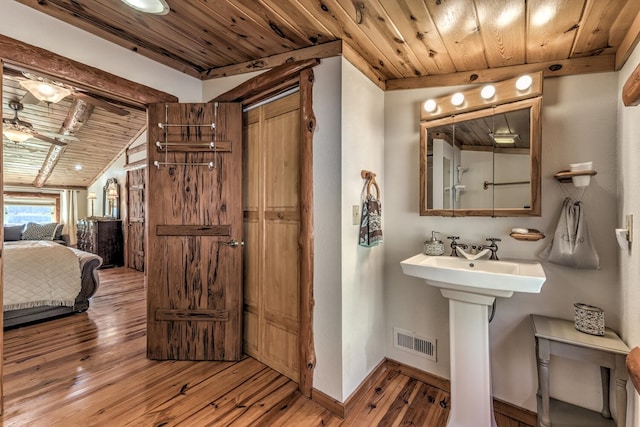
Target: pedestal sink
471,287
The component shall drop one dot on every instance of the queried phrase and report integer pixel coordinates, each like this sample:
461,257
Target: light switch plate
355,214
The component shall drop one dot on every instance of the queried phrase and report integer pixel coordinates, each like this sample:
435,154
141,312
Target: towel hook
371,180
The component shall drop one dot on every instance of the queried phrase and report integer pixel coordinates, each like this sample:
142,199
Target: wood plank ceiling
100,140
397,38
396,43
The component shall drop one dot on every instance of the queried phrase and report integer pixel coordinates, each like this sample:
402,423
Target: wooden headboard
633,366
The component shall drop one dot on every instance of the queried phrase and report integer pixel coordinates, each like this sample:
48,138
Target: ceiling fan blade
49,140
100,103
60,136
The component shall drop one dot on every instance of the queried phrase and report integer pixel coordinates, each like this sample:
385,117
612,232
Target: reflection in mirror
483,163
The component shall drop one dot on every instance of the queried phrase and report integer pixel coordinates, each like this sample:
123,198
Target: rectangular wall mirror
483,163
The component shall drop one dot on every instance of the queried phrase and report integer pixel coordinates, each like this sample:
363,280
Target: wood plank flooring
90,369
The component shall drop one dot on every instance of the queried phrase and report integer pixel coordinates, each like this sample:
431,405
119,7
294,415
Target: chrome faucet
455,245
492,247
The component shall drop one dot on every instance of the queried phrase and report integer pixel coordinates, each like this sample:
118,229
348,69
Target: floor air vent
409,341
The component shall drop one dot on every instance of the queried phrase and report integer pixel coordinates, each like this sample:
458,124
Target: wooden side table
560,338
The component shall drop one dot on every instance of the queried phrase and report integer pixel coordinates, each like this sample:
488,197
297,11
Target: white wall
579,124
363,308
628,179
116,170
327,217
30,26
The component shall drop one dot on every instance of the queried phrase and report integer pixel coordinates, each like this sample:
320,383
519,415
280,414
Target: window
38,208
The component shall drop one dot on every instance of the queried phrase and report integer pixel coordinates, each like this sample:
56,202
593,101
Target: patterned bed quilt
38,273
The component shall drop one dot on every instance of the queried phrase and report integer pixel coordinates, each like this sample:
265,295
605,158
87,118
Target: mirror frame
111,210
535,107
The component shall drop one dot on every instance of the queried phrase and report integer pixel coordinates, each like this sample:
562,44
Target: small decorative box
589,319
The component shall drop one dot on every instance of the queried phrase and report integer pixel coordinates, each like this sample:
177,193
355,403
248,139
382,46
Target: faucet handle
453,237
493,239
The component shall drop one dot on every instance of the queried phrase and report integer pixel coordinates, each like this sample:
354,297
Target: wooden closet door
194,224
272,226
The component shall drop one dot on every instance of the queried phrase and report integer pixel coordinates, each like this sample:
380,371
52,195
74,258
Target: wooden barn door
194,228
272,228
135,218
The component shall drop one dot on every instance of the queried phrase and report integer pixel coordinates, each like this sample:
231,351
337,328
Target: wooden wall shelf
565,176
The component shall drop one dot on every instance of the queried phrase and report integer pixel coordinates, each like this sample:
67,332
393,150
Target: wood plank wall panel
195,273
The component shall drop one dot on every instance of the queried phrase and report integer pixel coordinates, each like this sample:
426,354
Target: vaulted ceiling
396,43
100,139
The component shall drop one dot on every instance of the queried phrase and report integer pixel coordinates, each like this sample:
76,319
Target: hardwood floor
91,369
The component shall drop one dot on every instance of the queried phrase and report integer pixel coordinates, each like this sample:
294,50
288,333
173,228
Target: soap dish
531,236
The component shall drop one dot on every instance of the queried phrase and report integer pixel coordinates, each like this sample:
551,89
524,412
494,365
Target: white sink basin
485,277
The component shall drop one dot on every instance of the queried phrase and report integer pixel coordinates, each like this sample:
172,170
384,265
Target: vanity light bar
503,92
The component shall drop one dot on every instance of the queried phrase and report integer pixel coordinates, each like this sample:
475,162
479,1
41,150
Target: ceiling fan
18,130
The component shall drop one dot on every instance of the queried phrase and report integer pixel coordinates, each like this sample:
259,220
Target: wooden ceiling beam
264,82
565,67
325,50
32,58
78,115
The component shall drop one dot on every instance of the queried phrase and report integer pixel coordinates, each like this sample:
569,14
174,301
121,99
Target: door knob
233,243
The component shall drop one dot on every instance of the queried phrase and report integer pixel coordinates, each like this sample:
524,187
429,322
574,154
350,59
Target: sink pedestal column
471,398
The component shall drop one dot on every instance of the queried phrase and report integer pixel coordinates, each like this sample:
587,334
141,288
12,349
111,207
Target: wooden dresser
103,237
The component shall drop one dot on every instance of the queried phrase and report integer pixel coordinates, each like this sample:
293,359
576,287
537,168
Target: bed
43,279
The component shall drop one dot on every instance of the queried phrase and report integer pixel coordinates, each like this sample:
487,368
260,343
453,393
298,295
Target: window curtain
69,214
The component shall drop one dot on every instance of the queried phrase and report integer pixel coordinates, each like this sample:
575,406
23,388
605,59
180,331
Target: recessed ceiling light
157,7
78,167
